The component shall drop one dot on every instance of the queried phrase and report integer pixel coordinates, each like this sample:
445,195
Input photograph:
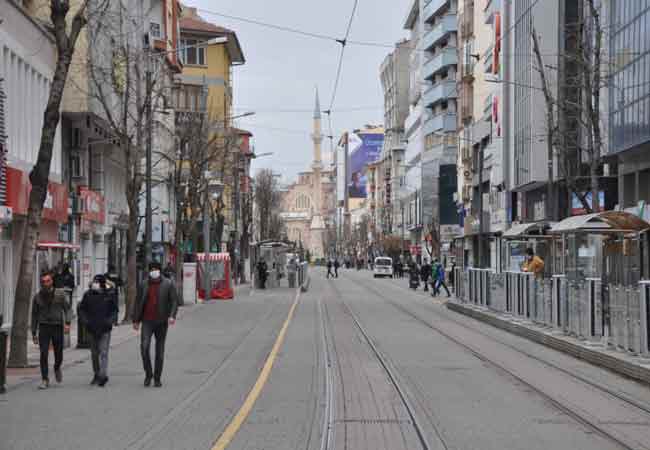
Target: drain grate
374,421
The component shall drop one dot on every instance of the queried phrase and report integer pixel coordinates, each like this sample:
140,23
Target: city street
364,364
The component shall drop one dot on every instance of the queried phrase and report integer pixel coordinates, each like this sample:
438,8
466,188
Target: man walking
439,279
425,273
156,309
336,268
50,319
329,269
65,280
98,312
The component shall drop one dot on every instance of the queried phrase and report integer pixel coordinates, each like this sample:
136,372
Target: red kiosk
217,267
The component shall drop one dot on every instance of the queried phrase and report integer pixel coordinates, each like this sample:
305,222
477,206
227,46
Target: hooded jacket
98,311
50,309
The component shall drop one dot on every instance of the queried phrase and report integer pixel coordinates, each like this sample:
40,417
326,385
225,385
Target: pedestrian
156,309
98,312
425,274
438,273
533,263
170,272
65,280
262,273
336,268
50,320
329,268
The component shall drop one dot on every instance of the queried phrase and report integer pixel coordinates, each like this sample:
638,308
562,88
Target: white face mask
155,274
96,286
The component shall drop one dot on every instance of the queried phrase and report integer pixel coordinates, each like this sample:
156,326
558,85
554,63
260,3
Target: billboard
364,147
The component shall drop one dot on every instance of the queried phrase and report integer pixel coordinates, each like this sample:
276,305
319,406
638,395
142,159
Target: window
191,54
154,30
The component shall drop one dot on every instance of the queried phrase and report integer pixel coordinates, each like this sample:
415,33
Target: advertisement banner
94,209
577,207
364,147
19,187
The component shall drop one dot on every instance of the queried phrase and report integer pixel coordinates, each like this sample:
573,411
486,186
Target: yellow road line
231,430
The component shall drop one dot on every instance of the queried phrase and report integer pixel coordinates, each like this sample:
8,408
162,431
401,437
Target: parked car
383,267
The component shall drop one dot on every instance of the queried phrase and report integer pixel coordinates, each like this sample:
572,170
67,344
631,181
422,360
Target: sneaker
94,380
102,382
157,383
58,375
44,384
147,381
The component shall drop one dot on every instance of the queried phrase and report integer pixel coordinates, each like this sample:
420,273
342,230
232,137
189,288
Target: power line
343,43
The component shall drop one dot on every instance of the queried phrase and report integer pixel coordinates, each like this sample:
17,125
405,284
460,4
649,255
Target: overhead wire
343,43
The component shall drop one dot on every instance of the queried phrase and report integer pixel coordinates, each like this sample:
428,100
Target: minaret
317,224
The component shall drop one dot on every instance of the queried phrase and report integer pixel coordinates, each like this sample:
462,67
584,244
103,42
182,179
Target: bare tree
65,37
127,88
267,200
582,80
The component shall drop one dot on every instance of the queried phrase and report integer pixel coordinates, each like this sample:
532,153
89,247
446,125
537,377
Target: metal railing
618,318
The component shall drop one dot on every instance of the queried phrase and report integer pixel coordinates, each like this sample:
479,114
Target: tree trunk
39,178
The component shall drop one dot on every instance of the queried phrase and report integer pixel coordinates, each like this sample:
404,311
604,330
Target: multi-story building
629,100
394,76
27,64
481,185
210,65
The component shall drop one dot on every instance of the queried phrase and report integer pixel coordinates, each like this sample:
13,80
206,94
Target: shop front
91,233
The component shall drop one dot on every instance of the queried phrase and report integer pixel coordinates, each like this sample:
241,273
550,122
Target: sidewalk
622,363
73,356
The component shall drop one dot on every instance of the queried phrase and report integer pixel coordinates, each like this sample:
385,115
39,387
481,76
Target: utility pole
206,239
481,149
148,227
346,201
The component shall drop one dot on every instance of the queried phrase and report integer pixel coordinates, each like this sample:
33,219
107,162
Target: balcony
491,10
442,123
433,8
440,92
440,31
447,57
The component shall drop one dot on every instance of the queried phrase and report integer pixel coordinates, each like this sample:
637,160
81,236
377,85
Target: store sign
19,187
94,206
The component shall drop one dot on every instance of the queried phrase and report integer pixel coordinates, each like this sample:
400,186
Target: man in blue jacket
438,273
98,312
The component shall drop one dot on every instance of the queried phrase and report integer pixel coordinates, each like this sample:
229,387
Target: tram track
567,409
391,375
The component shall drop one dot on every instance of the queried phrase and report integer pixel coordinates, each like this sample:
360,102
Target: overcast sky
282,69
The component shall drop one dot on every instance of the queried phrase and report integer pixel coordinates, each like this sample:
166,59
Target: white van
383,267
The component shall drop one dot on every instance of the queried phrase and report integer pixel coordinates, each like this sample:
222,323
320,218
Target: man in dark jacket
50,319
336,268
65,280
156,309
425,273
98,312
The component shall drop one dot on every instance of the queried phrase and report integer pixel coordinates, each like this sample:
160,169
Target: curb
607,359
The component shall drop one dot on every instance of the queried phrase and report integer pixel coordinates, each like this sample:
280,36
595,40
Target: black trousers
159,330
50,333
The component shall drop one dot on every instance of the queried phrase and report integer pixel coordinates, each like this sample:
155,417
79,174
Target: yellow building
210,67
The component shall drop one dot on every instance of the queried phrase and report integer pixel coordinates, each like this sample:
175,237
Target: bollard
644,314
556,302
594,312
508,288
3,360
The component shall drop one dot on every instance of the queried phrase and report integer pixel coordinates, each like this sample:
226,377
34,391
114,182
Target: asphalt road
365,364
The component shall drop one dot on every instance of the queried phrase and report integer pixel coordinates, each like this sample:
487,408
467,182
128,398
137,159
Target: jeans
159,330
436,289
50,333
99,346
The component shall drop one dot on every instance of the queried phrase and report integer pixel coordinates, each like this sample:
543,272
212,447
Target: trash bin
3,359
83,339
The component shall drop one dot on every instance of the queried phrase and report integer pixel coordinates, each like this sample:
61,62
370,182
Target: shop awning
213,256
58,245
526,228
602,221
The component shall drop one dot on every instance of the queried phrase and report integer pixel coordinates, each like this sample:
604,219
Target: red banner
19,187
94,206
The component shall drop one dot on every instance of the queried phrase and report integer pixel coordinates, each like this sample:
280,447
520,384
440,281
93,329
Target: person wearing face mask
156,309
98,312
50,319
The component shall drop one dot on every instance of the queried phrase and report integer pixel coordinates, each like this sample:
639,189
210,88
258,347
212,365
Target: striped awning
57,245
213,256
